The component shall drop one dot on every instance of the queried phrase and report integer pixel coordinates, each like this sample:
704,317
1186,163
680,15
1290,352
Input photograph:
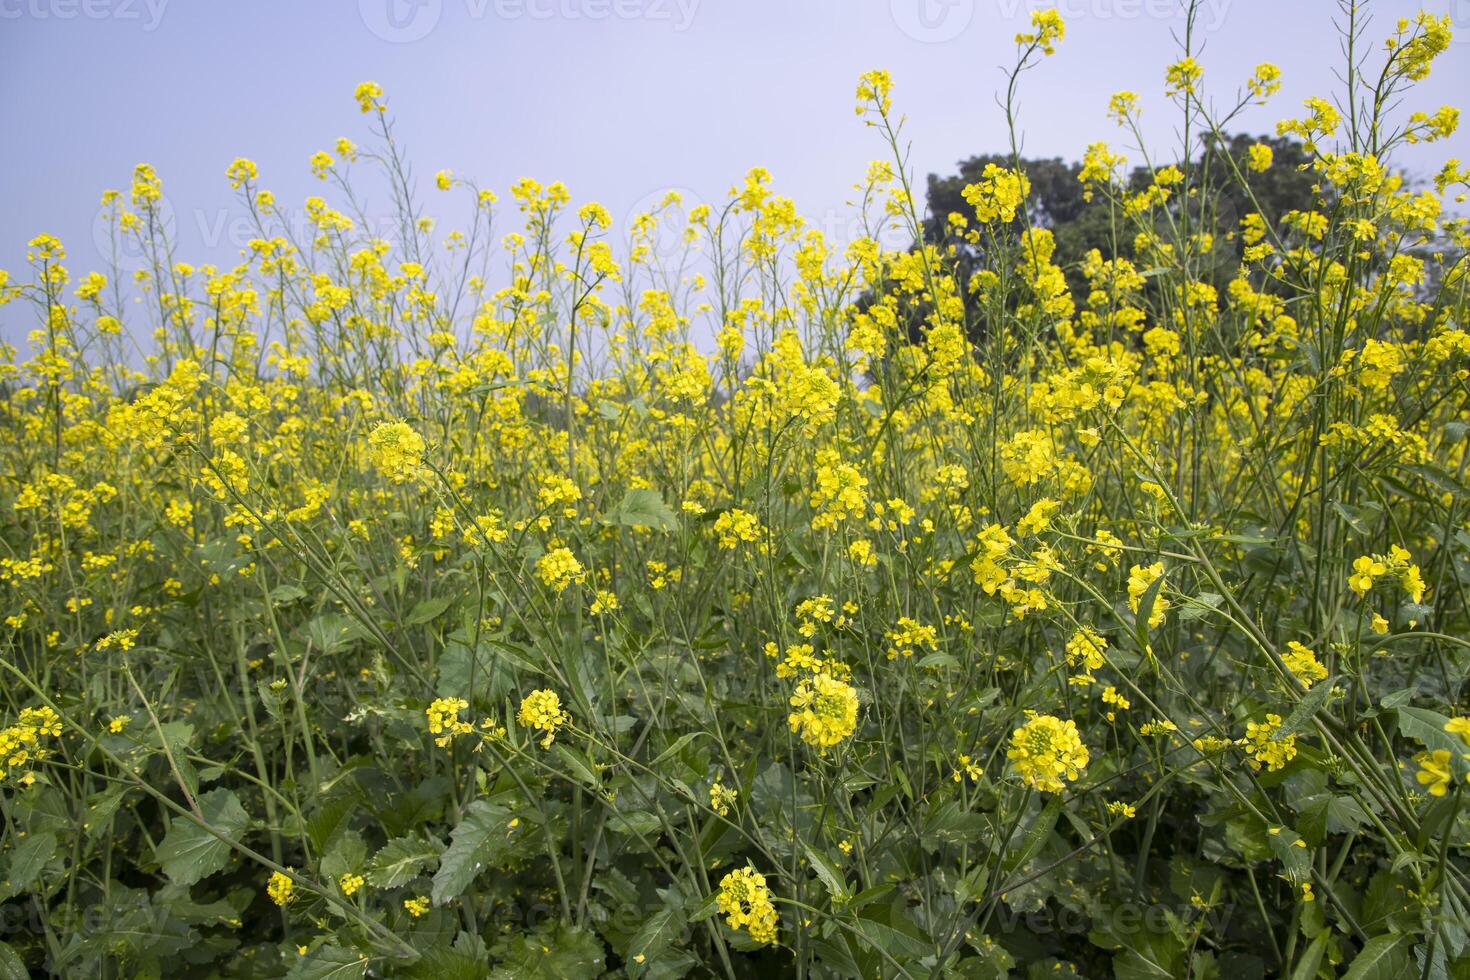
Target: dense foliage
517,602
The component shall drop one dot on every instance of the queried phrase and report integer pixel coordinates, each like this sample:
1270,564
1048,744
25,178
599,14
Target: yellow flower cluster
745,901
541,710
20,744
1047,750
722,797
444,720
1303,663
559,568
998,194
1398,563
1436,768
280,888
910,635
735,526
396,450
1266,746
1139,579
826,710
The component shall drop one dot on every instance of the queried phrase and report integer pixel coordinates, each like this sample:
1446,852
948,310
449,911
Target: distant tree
1079,225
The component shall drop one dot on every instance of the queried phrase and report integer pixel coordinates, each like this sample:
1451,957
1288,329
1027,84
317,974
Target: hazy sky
619,99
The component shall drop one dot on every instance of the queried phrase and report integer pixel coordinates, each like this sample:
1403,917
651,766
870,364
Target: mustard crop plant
521,600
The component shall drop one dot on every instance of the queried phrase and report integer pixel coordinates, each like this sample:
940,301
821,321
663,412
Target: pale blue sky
617,98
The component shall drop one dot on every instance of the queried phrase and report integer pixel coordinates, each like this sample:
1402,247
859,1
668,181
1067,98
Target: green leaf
481,837
828,871
284,594
579,765
1328,813
675,748
1436,477
427,611
1382,958
330,818
705,907
1292,852
101,807
1194,607
1036,834
641,507
26,862
188,852
1146,611
653,937
1427,728
399,861
332,632
480,674
1149,956
637,823
950,823
345,855
1306,709
329,962
12,967
1311,961
557,954
888,927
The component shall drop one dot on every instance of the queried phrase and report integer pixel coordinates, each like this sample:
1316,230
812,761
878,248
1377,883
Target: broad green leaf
399,861
1194,607
1036,834
26,862
101,807
12,967
347,854
675,748
889,928
329,962
480,675
284,594
829,871
1328,813
1311,961
188,852
1293,853
641,507
1306,709
558,954
704,908
481,837
328,821
1382,958
580,766
638,823
427,611
658,931
1427,728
